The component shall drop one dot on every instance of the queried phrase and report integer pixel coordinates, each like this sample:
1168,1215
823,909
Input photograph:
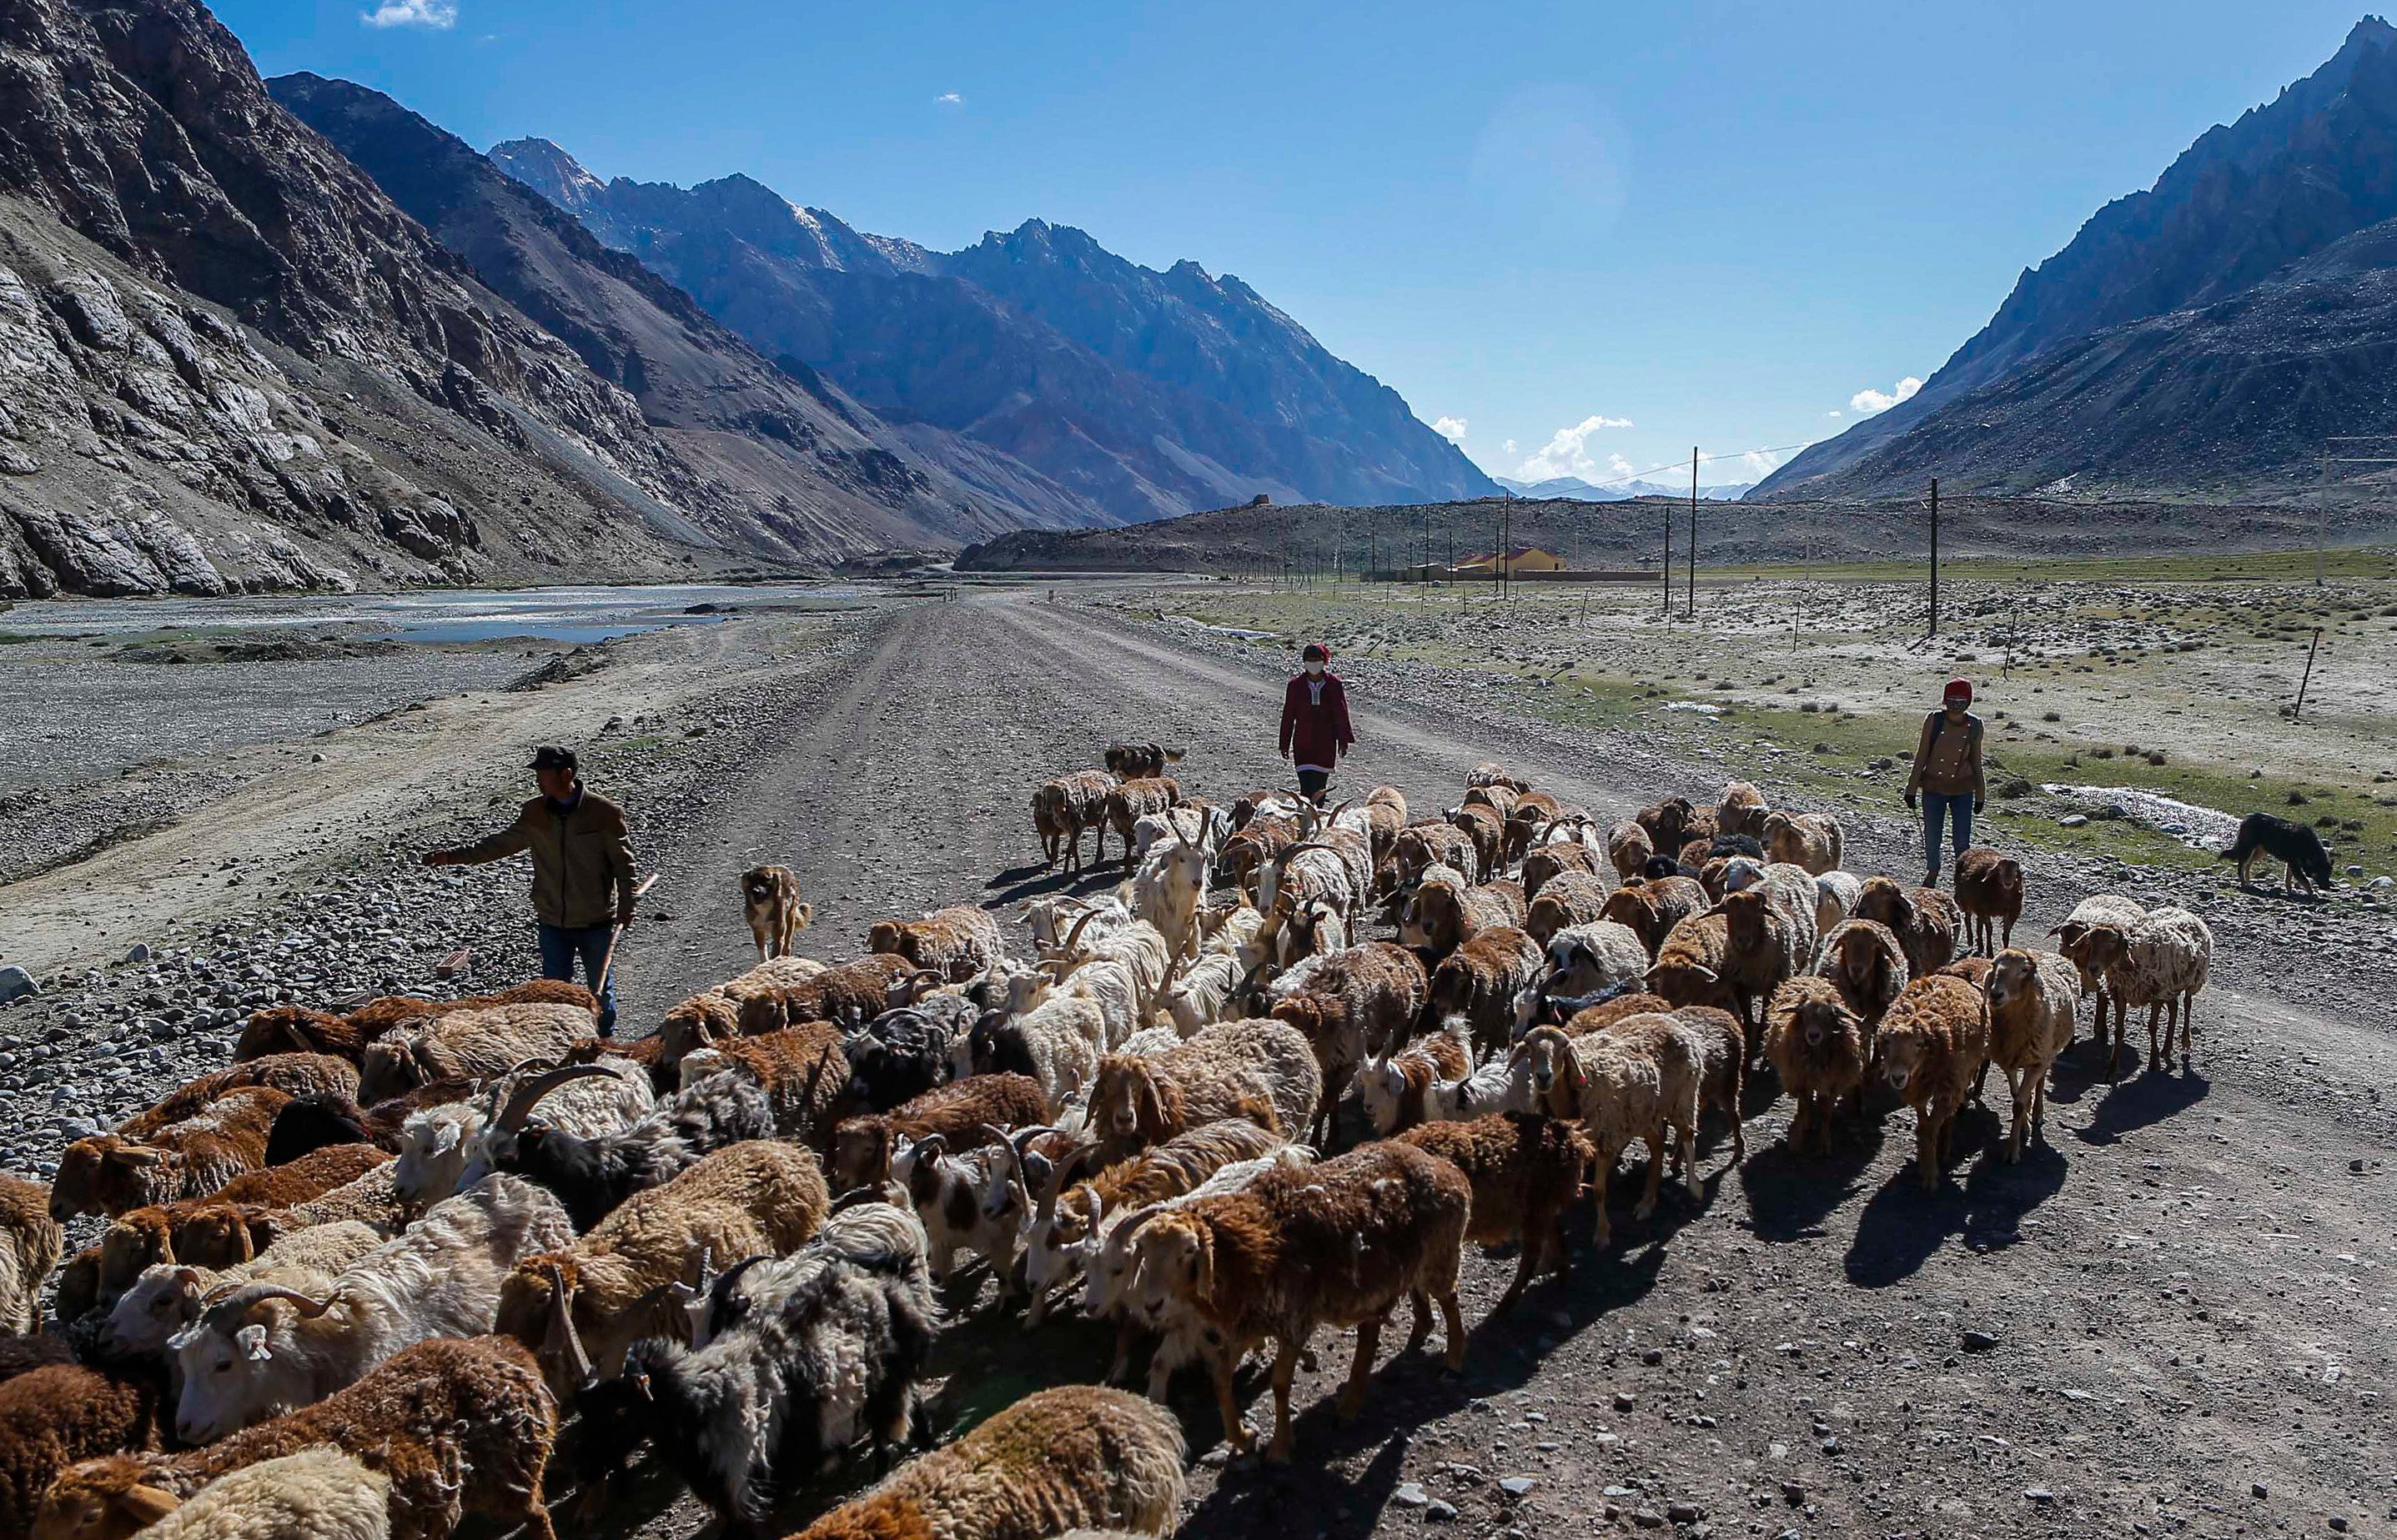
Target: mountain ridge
1148,393
2242,203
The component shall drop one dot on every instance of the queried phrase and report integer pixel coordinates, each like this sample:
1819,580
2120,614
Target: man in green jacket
582,854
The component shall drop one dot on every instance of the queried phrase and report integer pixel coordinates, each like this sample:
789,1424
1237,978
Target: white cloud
435,15
1834,416
1507,447
948,99
1867,402
1567,451
1450,428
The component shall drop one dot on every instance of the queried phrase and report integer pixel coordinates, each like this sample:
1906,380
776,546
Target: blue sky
1578,237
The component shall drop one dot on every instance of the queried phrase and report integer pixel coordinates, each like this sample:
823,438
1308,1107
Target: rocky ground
2168,1320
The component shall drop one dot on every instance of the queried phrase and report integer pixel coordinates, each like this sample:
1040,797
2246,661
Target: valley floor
2170,1319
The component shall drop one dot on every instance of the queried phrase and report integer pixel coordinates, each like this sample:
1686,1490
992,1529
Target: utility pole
1935,556
1505,543
1498,547
1694,532
1667,573
2321,533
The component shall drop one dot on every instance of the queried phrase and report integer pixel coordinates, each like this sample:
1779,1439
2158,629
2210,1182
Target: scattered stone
1975,1340
16,985
2039,1494
1440,1511
1411,1495
2259,1490
1685,1513
1517,1486
139,953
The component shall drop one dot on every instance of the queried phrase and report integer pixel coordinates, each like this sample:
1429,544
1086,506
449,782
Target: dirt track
2176,1303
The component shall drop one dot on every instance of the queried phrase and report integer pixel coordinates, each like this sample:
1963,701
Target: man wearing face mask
1315,720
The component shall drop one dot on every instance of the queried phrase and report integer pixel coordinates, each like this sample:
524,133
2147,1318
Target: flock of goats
351,1283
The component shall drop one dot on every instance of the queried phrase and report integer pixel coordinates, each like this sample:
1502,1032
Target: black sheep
592,1175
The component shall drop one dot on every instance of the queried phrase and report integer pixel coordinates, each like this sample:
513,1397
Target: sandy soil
2167,1320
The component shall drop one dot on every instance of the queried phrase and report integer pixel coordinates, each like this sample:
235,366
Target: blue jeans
561,944
1958,809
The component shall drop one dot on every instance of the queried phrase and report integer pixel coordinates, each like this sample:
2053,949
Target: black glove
1911,800
1979,803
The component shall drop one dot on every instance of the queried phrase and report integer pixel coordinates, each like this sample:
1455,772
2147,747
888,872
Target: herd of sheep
352,1284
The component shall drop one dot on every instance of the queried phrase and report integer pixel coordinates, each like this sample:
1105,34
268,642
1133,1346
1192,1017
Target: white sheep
315,1494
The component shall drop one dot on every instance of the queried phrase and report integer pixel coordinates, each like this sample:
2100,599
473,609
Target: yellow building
1522,558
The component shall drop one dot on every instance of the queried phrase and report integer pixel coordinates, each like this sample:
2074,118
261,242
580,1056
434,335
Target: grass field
2170,676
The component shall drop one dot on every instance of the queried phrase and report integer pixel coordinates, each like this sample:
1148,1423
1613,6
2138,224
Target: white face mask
1314,669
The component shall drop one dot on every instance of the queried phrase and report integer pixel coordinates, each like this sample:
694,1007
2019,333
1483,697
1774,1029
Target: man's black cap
551,756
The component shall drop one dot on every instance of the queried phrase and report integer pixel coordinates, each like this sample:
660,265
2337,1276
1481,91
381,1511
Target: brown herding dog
770,898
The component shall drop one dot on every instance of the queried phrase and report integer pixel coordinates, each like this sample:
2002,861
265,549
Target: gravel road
2172,1318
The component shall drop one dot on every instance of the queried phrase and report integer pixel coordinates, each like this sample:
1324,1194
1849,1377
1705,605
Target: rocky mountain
2244,205
813,468
229,361
1145,394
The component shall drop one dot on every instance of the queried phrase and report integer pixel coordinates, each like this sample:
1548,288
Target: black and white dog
2304,862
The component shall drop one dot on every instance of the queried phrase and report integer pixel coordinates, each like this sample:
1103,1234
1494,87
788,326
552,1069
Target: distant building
1522,558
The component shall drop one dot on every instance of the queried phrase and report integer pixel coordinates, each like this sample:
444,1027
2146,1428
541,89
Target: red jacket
1315,732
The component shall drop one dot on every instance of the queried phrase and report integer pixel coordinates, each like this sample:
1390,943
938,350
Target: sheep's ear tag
253,1344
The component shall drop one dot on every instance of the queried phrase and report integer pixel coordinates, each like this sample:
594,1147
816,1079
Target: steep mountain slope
2235,397
817,471
1145,394
2240,204
229,361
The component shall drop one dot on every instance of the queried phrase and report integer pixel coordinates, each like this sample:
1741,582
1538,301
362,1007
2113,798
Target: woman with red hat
1315,720
1948,774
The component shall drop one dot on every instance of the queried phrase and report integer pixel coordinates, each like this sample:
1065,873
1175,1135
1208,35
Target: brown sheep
1741,810
1060,1461
1398,1089
1597,1018
1924,920
1821,1048
1808,840
1420,846
54,1416
1722,1066
1476,985
1525,1169
289,1028
862,1148
1129,803
955,943
1989,894
109,1174
1260,1072
1543,864
1762,950
1487,829
459,1426
1349,1004
1651,906
484,1042
1337,1243
803,1070
1567,898
292,1074
30,1243
1933,1044
1533,811
2034,1001
1443,914
1865,962
1691,969
857,991
1066,807
1629,850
